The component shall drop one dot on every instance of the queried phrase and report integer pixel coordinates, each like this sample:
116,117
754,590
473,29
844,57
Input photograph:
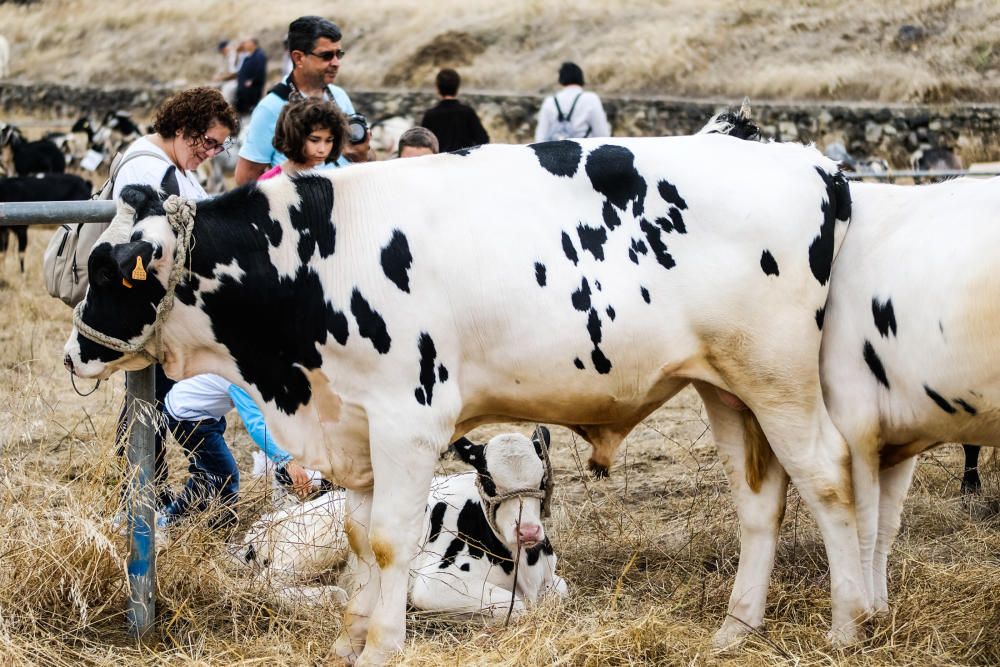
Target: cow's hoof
599,470
845,636
345,650
730,636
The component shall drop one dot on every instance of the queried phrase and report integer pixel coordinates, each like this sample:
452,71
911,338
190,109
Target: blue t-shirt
257,146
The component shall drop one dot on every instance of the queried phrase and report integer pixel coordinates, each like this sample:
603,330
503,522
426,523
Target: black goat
47,187
32,157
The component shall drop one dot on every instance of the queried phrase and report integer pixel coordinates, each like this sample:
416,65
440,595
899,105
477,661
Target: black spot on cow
836,206
965,406
473,534
768,264
464,567
601,363
940,400
540,274
597,284
610,216
578,363
668,191
611,313
397,260
437,520
370,323
569,249
638,247
875,364
336,324
581,297
543,547
632,256
465,151
885,318
428,356
677,220
657,245
820,315
612,173
645,294
312,217
185,291
592,239
442,373
559,158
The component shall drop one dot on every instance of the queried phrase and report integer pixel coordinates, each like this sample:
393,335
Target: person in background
454,123
232,57
417,141
251,76
310,132
315,47
189,128
572,112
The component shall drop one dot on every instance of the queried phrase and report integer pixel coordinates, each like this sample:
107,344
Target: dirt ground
650,554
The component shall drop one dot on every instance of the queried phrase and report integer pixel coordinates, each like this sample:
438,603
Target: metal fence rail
141,611
915,174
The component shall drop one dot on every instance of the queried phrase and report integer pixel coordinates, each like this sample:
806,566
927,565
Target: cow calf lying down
484,546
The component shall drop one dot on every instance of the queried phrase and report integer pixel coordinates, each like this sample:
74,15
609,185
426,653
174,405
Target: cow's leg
971,483
21,231
403,461
363,576
894,483
816,457
453,596
760,513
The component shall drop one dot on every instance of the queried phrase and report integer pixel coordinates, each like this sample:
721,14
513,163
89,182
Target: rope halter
491,503
180,215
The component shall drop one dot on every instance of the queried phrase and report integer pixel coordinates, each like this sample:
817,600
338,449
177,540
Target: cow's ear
541,435
141,198
471,453
102,269
133,259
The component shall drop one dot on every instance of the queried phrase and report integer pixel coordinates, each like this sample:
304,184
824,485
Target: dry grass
810,49
650,555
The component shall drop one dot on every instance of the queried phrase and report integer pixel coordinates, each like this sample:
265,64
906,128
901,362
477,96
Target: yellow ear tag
126,283
138,273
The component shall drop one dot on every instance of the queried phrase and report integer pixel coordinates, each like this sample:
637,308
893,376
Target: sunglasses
327,55
213,147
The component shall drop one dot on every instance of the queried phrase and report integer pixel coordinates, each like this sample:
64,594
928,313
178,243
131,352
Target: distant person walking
250,77
454,123
572,112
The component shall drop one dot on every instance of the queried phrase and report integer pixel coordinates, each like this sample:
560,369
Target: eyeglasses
213,147
327,55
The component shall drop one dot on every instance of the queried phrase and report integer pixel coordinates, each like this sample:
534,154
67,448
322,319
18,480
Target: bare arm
247,171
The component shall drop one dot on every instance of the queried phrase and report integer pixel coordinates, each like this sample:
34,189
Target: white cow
377,313
909,341
484,550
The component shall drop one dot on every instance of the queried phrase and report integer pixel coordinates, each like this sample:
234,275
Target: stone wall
891,132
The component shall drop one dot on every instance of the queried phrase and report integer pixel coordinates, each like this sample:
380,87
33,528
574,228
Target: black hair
570,73
447,82
305,30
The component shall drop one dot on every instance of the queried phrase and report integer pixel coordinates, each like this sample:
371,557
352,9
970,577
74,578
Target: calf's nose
529,533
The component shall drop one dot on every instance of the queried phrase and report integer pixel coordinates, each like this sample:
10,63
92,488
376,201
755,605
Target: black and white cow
908,344
43,187
477,525
377,313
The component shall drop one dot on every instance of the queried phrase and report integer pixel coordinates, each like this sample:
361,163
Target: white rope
180,214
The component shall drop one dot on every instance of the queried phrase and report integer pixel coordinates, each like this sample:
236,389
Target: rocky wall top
890,132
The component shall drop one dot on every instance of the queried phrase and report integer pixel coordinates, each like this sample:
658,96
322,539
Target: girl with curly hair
310,132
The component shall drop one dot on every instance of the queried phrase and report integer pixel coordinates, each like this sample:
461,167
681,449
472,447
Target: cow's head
128,271
513,478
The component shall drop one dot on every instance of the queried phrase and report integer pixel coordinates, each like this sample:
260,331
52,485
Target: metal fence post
140,399
142,420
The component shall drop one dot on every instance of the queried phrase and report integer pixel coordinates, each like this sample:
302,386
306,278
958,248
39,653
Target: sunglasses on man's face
327,55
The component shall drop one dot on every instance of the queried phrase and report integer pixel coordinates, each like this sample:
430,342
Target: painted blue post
142,418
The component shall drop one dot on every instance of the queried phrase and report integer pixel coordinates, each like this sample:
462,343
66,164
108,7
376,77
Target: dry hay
650,555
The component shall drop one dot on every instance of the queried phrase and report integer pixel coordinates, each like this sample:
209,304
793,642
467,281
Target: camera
357,128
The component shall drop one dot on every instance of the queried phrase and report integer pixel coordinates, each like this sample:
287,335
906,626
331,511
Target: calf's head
513,478
128,271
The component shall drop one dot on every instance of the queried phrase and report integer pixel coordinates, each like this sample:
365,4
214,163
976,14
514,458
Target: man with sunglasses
315,47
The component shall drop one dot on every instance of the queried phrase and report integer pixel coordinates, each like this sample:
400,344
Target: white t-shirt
148,170
203,396
588,118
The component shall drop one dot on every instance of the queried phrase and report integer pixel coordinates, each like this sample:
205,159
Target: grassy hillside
812,49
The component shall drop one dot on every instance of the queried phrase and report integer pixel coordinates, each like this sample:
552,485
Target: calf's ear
471,453
102,269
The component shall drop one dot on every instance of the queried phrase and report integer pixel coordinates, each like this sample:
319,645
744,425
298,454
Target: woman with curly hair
310,132
190,127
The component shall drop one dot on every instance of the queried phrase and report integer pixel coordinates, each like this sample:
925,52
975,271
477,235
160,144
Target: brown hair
192,112
297,121
418,137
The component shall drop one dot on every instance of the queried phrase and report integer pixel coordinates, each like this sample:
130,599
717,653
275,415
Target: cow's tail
758,450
